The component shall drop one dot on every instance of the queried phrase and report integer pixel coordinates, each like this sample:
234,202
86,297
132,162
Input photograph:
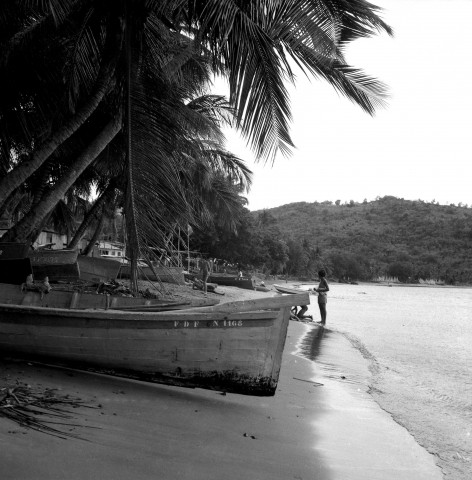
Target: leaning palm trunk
26,226
11,202
96,234
39,227
90,215
40,187
25,169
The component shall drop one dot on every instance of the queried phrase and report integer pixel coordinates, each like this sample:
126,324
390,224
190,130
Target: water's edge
376,393
313,346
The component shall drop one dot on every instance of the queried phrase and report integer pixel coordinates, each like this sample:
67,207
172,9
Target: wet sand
146,431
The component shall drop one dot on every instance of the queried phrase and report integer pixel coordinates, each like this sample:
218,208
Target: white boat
289,290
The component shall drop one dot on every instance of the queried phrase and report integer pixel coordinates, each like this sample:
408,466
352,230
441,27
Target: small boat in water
233,347
289,290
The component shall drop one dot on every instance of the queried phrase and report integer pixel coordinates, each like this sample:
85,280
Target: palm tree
140,61
49,96
249,42
28,224
94,213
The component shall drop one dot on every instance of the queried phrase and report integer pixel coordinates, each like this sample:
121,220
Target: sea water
418,345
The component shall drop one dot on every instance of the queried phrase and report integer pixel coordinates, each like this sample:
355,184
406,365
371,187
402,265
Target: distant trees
256,242
411,240
347,266
303,259
402,271
390,237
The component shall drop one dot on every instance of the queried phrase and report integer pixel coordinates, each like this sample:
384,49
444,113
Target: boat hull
96,269
261,288
9,250
229,347
163,274
15,270
57,265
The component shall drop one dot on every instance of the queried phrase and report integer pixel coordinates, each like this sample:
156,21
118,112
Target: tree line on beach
111,100
389,238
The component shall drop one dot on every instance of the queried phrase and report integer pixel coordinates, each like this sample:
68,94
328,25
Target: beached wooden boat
163,274
9,250
53,257
97,269
233,347
289,290
15,270
57,265
262,288
17,262
14,265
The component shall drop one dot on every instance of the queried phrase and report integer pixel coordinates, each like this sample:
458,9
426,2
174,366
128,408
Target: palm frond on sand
41,409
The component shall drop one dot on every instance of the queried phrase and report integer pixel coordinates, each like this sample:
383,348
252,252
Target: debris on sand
43,410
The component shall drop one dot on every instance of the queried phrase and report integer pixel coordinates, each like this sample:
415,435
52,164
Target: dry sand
146,431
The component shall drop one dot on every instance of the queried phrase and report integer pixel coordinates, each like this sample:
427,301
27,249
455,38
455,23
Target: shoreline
381,447
307,430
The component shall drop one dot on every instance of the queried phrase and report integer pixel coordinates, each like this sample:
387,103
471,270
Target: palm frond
255,41
215,108
220,162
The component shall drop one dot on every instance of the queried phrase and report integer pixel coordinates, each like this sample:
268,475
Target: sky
418,147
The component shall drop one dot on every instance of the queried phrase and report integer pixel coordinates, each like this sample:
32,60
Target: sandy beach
315,427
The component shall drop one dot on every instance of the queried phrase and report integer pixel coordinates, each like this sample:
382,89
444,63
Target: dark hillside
410,240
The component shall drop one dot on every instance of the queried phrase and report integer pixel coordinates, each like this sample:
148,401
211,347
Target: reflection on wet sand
334,353
311,344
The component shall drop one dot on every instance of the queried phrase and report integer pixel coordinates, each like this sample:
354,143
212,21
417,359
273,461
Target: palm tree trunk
41,187
37,231
11,201
90,215
131,225
25,169
96,235
26,226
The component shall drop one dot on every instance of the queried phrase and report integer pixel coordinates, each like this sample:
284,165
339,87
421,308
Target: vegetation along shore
389,239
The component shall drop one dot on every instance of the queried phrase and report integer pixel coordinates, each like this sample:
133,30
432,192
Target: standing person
205,272
322,290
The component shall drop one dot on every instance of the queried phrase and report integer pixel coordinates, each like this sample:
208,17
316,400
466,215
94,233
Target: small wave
374,366
335,355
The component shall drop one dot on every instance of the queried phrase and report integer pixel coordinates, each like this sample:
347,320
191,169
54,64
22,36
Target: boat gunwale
135,316
261,303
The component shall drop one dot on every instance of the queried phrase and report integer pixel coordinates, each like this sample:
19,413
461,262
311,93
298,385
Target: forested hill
388,236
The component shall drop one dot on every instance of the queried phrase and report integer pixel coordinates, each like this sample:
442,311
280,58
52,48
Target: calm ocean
418,343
